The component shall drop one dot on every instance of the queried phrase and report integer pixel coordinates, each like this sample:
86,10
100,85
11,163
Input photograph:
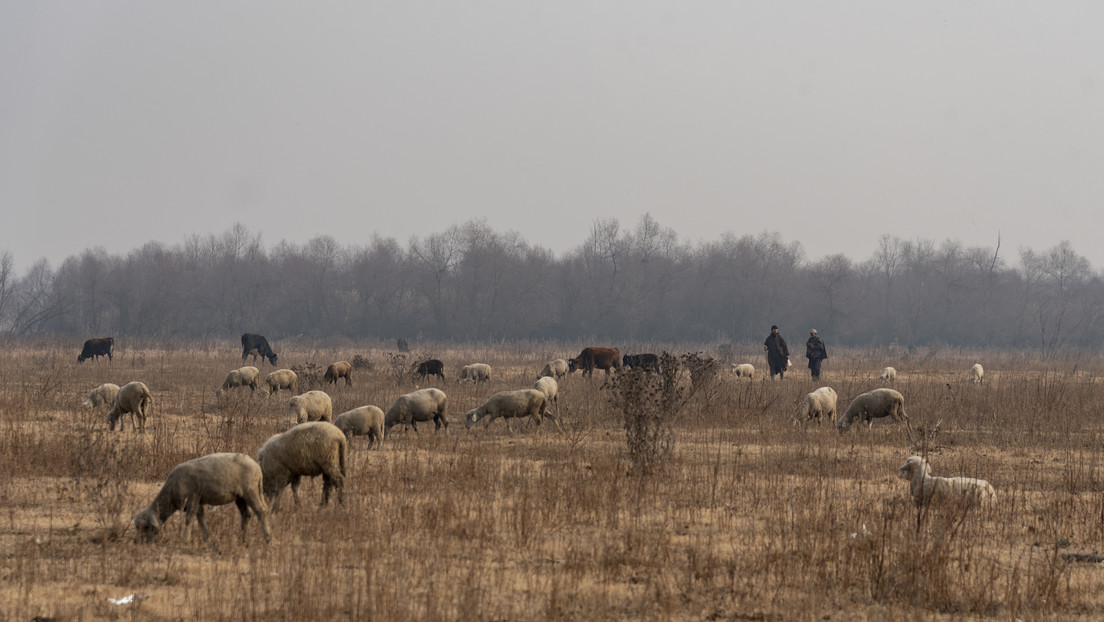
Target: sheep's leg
295,488
243,509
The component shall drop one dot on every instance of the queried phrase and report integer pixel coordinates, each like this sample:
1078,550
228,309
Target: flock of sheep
316,443
884,402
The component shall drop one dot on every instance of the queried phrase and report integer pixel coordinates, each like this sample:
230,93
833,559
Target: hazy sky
830,122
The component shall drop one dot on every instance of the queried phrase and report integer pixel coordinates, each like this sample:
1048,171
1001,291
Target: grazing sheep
872,405
214,479
511,404
282,379
340,369
743,370
476,372
366,420
976,373
101,395
133,398
926,488
550,388
888,374
819,404
420,405
241,377
310,406
555,369
647,362
432,367
310,449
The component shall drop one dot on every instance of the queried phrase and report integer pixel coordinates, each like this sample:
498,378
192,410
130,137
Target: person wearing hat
778,353
815,352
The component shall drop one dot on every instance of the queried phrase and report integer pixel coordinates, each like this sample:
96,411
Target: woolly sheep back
100,396
282,379
362,421
743,370
510,405
926,488
240,377
977,372
819,404
214,479
420,405
476,372
309,406
308,449
133,398
872,405
557,368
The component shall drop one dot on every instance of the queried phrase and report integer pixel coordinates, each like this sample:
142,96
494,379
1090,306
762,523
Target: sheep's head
912,467
147,524
471,417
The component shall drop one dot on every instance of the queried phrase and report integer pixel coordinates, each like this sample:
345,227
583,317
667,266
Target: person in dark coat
815,352
778,353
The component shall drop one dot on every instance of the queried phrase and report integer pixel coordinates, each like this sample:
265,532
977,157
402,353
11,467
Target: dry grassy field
749,518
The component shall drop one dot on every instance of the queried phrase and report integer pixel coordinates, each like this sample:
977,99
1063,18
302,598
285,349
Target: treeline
621,284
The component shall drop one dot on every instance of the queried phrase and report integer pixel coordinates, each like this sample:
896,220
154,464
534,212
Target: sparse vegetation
744,517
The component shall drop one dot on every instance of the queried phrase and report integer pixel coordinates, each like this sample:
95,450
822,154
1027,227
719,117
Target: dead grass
748,518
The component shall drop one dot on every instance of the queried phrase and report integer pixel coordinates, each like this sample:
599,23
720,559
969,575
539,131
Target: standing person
778,353
815,352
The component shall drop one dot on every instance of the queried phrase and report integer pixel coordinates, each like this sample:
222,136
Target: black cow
432,367
100,346
257,345
647,362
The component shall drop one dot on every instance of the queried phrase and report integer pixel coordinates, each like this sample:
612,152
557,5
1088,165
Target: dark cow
647,362
595,358
100,346
432,367
257,345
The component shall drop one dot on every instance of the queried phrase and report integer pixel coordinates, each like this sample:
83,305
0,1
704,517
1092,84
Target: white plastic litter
129,598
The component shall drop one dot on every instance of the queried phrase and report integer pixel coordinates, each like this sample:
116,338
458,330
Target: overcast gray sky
830,122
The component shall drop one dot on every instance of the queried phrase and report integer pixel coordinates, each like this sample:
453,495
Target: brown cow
595,358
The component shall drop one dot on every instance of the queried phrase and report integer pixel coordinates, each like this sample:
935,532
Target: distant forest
638,285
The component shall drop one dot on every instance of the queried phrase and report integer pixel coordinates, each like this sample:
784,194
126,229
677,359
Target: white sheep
309,406
366,420
743,370
550,388
819,404
888,374
976,373
282,379
133,398
476,372
872,405
420,405
925,488
308,449
214,479
511,404
240,377
101,395
555,369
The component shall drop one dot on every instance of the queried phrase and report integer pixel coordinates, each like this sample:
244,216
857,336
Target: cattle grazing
257,345
95,348
432,367
596,358
647,362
